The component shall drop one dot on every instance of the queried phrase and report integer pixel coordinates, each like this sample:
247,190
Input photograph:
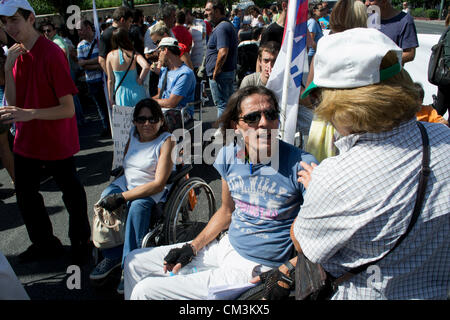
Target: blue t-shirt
402,30
223,36
180,82
237,23
266,202
313,26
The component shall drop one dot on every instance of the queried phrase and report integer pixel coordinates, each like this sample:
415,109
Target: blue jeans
137,225
222,89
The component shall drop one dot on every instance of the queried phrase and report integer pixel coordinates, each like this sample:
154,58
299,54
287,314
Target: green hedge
429,13
44,7
432,14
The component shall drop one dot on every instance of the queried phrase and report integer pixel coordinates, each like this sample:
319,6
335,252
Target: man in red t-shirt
39,91
181,32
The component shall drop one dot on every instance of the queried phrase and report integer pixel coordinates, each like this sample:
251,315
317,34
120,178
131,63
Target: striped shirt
83,49
360,202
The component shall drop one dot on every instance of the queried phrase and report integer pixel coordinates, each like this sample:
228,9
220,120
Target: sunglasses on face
255,117
143,120
47,30
156,42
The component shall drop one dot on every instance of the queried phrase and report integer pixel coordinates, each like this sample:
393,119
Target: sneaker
120,287
37,253
105,267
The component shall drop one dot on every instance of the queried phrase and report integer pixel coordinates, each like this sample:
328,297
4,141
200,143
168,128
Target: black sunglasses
156,42
143,120
255,117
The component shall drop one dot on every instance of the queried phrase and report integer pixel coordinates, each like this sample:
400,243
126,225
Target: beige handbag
108,228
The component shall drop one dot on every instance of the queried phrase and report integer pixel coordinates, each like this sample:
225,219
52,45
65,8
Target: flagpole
290,43
105,89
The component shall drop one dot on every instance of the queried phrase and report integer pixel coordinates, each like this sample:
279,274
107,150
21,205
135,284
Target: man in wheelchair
147,166
176,86
260,200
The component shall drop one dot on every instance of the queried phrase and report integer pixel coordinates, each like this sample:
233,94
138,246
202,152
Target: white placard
122,123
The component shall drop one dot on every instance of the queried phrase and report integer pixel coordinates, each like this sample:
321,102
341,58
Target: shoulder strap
126,72
164,84
91,49
424,174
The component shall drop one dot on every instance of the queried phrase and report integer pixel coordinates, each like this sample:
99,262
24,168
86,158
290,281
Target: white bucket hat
352,59
9,7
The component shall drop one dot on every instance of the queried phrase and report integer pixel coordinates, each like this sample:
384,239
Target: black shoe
37,253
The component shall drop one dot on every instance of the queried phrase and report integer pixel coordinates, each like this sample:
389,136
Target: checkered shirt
360,202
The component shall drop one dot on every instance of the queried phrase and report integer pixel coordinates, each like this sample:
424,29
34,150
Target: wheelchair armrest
179,173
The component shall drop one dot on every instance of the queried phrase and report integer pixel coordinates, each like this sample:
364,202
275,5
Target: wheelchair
190,201
190,204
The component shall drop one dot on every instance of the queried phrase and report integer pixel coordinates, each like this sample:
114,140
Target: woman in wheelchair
260,200
147,165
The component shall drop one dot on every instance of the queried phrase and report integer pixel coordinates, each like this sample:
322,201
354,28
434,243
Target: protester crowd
342,199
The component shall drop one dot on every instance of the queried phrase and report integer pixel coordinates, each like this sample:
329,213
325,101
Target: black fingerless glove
272,290
112,202
182,255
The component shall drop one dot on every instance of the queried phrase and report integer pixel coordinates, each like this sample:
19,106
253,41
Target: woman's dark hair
156,111
233,108
120,39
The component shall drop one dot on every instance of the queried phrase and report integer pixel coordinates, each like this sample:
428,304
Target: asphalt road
48,280
430,27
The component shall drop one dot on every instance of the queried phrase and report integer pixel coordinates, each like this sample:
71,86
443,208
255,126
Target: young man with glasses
260,201
49,31
39,91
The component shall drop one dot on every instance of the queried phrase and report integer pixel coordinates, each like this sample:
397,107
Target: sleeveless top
141,160
129,92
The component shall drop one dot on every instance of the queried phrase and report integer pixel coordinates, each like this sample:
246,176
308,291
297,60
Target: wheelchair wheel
188,210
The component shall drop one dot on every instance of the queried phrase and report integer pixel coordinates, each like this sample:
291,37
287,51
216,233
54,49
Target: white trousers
218,264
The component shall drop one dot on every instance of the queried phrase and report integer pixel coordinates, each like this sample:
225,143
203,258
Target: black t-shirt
137,39
274,32
104,45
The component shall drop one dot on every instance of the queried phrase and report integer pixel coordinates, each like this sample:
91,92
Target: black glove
182,255
272,290
112,201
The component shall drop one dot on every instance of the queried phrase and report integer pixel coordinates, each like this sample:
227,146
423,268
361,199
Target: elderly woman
147,166
260,199
359,203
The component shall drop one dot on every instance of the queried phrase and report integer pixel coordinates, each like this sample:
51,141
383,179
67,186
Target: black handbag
312,282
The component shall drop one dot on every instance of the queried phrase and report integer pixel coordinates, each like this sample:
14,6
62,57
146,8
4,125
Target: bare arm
102,62
111,79
408,55
65,109
145,68
163,170
173,101
221,58
10,86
